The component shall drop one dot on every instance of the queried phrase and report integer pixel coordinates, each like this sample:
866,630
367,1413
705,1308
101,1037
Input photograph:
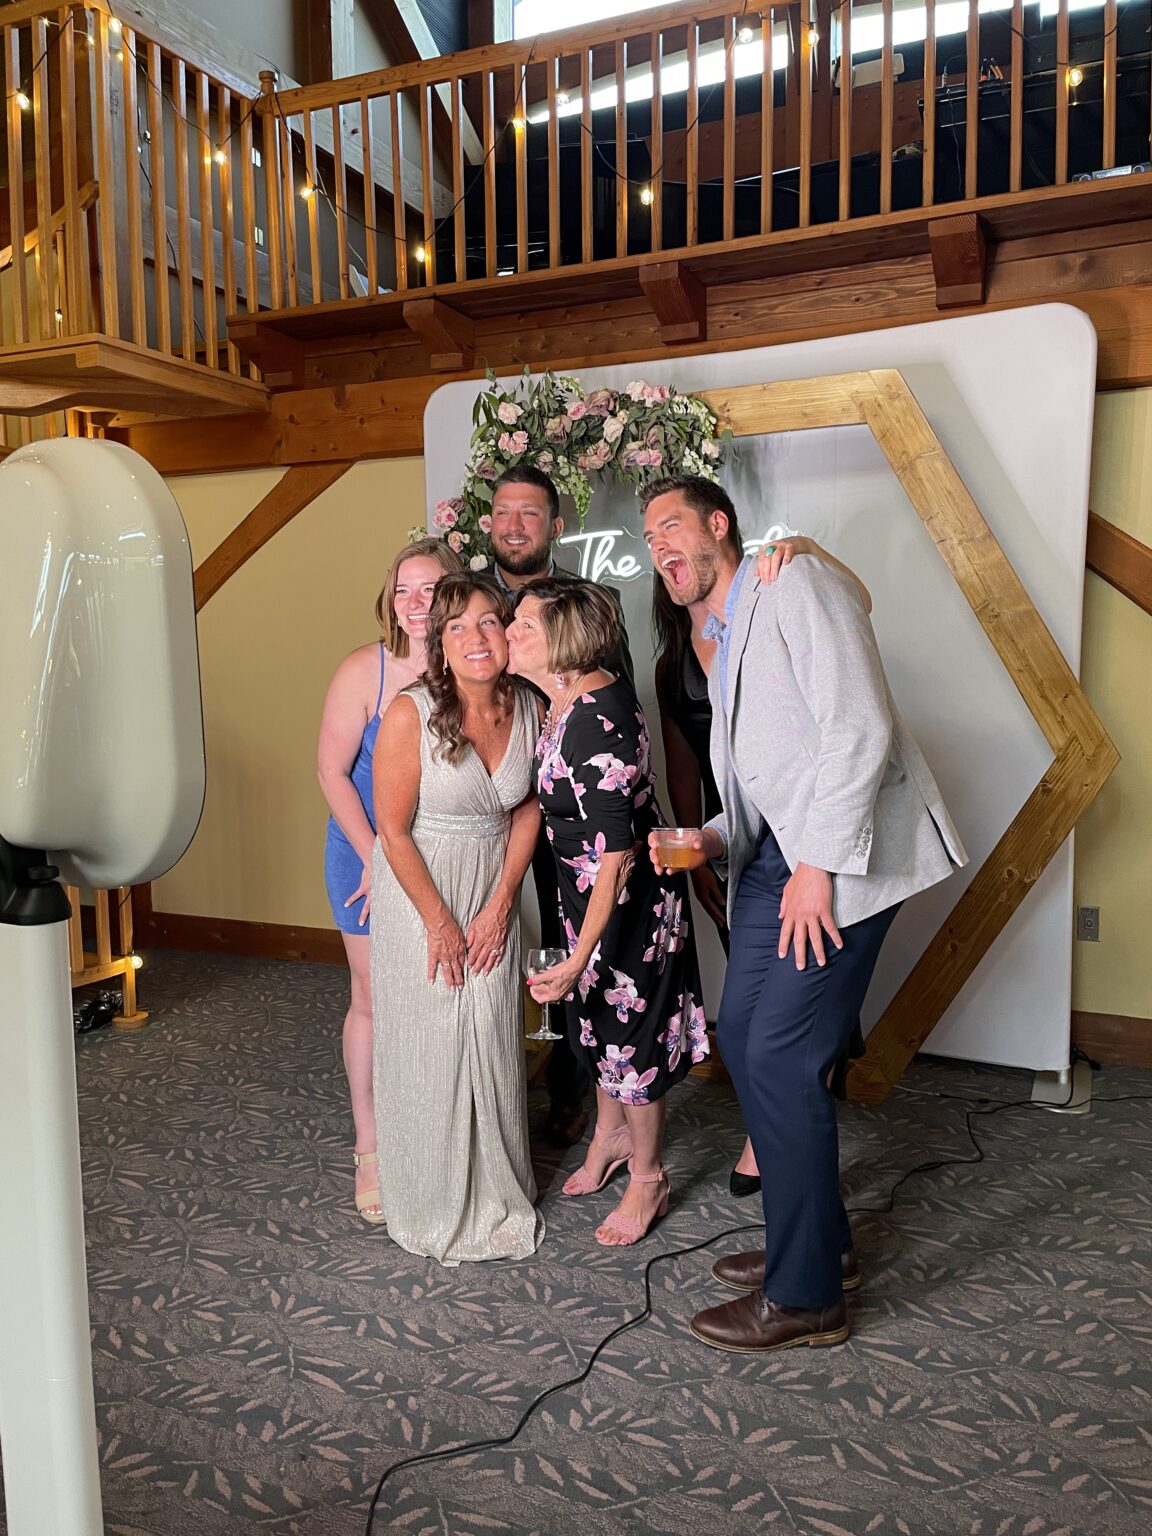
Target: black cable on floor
995,1107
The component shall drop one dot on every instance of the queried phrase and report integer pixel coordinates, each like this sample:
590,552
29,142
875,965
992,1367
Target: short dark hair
581,621
528,474
702,495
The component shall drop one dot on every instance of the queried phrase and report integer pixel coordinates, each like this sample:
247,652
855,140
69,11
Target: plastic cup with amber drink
674,846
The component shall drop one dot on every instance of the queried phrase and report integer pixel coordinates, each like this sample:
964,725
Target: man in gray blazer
831,820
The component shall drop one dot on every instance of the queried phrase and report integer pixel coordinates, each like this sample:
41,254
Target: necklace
554,718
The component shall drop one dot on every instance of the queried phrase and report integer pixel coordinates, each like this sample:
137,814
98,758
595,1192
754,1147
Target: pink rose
457,540
519,441
576,410
557,428
545,461
485,523
656,394
508,413
486,470
445,515
601,402
655,456
631,458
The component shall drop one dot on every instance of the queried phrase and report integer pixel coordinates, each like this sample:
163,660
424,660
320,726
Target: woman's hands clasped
451,952
487,937
447,951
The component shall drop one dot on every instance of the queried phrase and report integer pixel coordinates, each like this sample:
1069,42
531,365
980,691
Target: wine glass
543,960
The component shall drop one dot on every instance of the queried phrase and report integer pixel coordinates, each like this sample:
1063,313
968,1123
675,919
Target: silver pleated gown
448,1063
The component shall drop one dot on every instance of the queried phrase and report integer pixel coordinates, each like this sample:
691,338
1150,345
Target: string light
647,196
562,98
307,191
23,101
813,34
220,157
115,26
745,35
518,123
420,254
137,962
1075,77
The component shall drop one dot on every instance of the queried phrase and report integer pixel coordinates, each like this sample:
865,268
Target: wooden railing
109,959
150,197
131,206
664,131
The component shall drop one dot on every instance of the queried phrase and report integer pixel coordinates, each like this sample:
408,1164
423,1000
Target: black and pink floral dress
637,1010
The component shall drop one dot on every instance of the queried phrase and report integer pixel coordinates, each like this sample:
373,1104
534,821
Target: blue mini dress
342,864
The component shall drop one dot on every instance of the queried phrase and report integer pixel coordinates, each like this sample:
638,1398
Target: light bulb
137,962
745,35
647,196
59,317
813,34
23,101
115,26
307,190
562,98
1075,77
220,157
421,254
518,123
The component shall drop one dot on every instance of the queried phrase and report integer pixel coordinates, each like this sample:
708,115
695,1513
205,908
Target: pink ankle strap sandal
582,1182
626,1230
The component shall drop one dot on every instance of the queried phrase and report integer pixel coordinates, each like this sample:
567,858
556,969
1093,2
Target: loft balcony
177,240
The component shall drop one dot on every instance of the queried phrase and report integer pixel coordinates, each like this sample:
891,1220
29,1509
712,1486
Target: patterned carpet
261,1357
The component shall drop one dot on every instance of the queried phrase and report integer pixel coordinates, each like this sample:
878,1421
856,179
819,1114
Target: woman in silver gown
457,820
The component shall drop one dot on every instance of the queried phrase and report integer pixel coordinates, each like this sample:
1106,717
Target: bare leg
746,1163
646,1124
358,1056
609,1143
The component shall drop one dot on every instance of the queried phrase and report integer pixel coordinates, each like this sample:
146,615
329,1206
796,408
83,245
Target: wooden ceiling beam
404,33
449,336
959,252
331,39
679,301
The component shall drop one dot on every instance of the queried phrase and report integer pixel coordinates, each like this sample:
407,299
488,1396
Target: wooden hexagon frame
1084,756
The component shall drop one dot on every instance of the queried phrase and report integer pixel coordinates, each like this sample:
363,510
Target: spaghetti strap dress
342,865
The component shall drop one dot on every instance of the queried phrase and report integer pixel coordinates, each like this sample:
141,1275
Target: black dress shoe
745,1271
742,1184
565,1124
754,1325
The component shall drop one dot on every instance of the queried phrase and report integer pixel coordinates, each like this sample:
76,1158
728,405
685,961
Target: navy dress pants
780,1030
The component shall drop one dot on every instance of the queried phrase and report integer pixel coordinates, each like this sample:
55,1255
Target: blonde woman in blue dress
363,686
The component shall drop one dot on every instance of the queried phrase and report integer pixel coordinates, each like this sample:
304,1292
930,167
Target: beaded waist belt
461,826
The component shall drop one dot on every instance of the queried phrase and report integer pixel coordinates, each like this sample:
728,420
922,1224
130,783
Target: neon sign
600,560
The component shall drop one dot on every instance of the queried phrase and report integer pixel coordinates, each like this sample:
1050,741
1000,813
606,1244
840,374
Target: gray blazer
815,748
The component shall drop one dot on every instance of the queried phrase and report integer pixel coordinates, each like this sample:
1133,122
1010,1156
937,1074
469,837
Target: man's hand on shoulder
806,916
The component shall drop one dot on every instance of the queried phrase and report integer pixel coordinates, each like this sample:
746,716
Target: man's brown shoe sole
851,1283
812,1340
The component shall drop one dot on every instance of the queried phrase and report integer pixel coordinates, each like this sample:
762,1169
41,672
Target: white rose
636,389
478,563
613,429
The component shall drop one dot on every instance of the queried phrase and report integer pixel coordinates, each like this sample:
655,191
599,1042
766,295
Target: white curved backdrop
1011,397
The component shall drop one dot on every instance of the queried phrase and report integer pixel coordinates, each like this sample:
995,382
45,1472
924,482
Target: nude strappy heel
368,1204
582,1182
627,1227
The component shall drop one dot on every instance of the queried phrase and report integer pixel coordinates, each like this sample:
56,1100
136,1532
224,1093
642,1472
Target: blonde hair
581,621
430,549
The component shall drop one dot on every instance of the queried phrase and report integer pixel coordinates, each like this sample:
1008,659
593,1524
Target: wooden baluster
1063,91
272,210
222,155
929,157
767,121
183,213
248,211
127,940
844,139
44,264
399,215
368,174
691,138
729,184
488,128
553,66
459,231
133,211
288,200
103,928
520,113
428,170
807,53
656,132
340,194
12,84
75,239
1108,156
75,931
587,227
621,155
972,102
1016,100
207,220
312,211
887,106
159,195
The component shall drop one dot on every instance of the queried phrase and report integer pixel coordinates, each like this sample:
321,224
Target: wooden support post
132,1016
300,486
448,335
679,301
959,260
1120,560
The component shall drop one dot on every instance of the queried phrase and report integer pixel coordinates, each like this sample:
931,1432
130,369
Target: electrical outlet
1088,924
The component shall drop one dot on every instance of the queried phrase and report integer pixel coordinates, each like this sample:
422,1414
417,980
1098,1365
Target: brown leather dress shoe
753,1325
745,1271
565,1124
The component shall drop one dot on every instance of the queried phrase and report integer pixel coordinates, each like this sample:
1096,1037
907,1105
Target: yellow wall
270,639
1114,840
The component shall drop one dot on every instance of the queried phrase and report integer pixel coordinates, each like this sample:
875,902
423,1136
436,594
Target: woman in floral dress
631,983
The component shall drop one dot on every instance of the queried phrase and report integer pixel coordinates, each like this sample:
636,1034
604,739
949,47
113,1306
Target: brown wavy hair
432,549
453,594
